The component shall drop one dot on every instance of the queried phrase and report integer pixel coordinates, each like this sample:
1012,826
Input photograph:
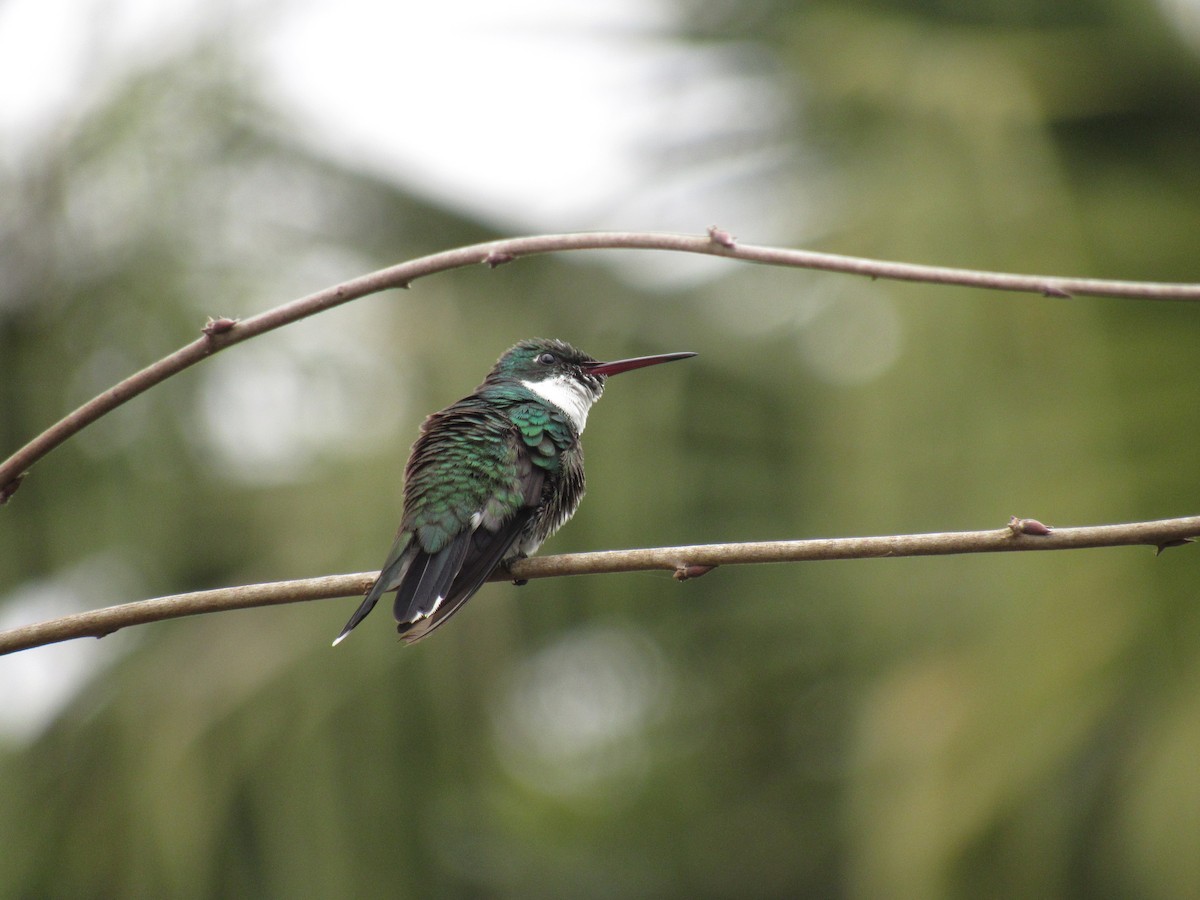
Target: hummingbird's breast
561,496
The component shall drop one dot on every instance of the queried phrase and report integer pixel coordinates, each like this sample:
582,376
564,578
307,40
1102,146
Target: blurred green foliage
1018,725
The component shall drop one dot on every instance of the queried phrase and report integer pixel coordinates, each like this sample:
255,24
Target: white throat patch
568,395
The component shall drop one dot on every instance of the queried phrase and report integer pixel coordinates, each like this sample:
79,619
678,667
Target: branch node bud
1028,526
1053,290
721,237
1177,542
9,489
219,325
498,258
683,571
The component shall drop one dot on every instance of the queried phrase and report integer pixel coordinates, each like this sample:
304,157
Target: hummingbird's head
565,377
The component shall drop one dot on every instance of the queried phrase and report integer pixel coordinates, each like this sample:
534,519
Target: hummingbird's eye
546,359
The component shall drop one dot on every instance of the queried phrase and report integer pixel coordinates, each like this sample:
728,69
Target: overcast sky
533,114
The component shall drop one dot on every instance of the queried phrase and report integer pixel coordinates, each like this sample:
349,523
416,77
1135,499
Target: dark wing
417,616
393,570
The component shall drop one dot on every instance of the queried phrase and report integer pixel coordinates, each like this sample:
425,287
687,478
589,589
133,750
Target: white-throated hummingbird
490,478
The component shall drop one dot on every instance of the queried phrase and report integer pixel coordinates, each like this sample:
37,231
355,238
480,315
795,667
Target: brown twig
223,332
691,560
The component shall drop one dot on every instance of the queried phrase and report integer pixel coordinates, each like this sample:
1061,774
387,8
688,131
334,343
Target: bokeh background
991,726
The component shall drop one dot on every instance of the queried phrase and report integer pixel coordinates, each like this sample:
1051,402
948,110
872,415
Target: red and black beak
626,365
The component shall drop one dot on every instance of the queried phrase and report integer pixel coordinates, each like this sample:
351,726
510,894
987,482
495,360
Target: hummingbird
490,478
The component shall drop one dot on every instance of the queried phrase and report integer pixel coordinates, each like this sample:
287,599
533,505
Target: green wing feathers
474,483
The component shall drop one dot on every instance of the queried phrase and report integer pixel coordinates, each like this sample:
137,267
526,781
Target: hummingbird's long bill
627,365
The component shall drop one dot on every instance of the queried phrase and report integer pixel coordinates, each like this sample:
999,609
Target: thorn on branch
1177,542
684,572
11,488
721,237
1028,526
219,325
498,258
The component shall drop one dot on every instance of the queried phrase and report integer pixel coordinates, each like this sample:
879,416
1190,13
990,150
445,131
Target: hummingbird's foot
518,582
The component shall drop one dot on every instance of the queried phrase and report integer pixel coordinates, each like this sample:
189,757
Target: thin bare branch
685,562
222,332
